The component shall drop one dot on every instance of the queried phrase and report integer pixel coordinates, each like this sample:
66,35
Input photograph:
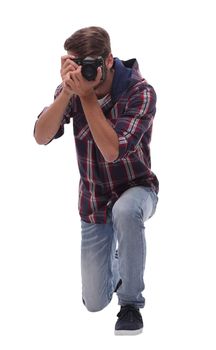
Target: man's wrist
65,95
89,98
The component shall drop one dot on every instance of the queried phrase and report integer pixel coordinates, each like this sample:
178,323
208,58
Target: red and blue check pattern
130,109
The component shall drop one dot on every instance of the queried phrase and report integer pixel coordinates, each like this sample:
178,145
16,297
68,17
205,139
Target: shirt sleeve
136,120
66,117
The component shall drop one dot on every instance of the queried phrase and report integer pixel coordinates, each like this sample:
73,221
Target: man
112,108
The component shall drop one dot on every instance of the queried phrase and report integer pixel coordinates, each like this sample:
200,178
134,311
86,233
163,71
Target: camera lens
89,71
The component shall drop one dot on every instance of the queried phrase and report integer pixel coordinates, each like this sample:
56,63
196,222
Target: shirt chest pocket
81,128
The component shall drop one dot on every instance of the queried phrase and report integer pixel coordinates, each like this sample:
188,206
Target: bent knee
126,212
95,305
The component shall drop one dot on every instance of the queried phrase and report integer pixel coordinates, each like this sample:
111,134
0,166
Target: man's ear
109,61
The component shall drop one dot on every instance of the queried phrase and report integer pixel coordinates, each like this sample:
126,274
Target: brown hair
89,41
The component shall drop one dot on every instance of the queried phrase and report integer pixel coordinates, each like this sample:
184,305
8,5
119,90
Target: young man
112,108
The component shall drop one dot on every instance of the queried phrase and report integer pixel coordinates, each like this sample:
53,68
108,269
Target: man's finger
77,74
69,62
65,57
69,82
76,79
68,69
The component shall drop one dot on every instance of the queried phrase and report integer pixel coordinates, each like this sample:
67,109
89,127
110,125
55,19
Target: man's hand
67,66
75,82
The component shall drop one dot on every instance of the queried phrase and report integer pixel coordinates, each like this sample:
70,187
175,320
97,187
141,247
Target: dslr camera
89,67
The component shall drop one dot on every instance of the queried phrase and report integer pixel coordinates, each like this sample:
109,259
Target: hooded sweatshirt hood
126,75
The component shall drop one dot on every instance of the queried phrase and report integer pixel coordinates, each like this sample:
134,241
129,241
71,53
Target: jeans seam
109,261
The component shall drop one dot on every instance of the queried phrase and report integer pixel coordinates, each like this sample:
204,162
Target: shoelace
129,312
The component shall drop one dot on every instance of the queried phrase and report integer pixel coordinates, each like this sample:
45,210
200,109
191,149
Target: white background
40,285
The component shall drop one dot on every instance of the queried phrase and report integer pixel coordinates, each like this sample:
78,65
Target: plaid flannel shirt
130,109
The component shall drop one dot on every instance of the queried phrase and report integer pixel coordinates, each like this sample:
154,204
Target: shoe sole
128,332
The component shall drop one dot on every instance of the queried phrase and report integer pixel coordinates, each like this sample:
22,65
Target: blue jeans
117,250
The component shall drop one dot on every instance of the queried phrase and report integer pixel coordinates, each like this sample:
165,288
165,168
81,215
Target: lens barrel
89,71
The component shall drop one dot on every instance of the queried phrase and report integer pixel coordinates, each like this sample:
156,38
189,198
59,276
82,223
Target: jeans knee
125,212
95,305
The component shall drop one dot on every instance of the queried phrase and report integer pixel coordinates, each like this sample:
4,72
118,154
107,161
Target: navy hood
126,74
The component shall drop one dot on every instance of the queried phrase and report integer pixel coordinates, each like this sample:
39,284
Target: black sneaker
129,321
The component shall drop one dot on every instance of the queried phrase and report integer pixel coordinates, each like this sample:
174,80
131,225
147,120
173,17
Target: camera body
90,66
